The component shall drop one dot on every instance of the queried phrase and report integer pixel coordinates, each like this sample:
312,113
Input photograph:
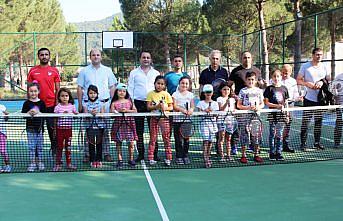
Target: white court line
155,193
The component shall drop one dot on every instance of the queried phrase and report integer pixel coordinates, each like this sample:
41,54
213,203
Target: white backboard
117,39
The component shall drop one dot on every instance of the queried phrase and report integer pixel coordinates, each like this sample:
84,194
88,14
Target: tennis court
307,191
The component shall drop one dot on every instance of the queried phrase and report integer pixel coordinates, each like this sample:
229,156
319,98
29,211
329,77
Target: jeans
275,137
35,142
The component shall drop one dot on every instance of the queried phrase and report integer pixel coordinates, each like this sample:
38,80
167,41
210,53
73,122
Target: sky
88,10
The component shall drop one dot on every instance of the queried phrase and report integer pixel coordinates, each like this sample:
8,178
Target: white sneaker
41,166
6,169
152,162
167,162
31,167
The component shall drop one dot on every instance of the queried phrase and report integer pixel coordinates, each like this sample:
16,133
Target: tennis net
89,141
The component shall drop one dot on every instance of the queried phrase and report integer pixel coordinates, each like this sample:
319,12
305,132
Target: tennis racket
216,85
336,87
230,123
187,128
255,126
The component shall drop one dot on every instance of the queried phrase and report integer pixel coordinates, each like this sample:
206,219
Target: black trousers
142,108
181,144
50,123
338,127
307,115
95,137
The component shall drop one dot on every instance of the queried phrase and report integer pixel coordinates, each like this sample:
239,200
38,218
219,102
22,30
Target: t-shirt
2,120
222,100
251,96
276,95
35,124
46,78
202,105
157,97
182,100
64,122
172,79
312,74
238,75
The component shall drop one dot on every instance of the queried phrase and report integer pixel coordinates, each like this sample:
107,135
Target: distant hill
100,25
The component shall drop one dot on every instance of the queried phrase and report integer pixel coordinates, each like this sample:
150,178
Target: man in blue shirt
174,76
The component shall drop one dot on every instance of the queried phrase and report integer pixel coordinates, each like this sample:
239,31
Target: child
34,126
249,98
3,150
208,125
275,97
126,127
64,128
226,103
159,101
183,101
94,133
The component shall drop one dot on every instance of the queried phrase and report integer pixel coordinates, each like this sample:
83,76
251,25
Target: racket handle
187,106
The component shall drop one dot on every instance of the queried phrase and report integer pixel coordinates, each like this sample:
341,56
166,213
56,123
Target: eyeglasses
208,92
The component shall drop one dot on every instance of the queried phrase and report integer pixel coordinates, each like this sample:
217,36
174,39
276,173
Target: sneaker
108,158
304,148
41,166
258,159
243,160
208,164
93,164
229,159
139,158
167,162
186,160
272,157
85,159
99,164
234,151
31,167
336,146
157,158
71,167
251,149
152,162
288,150
120,164
279,157
132,163
57,168
179,161
6,169
222,160
318,146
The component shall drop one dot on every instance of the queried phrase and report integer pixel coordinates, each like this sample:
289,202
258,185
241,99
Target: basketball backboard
117,39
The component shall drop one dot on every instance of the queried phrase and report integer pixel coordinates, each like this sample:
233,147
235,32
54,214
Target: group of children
158,101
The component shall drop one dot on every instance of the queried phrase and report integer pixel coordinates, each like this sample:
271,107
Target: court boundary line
153,189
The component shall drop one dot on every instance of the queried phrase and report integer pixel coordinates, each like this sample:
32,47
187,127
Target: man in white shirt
309,76
102,77
141,82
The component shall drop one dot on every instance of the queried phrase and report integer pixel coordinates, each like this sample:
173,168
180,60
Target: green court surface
303,191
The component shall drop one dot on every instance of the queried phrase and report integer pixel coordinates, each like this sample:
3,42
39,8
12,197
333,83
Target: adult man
49,80
173,77
213,72
237,75
309,76
102,77
141,81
